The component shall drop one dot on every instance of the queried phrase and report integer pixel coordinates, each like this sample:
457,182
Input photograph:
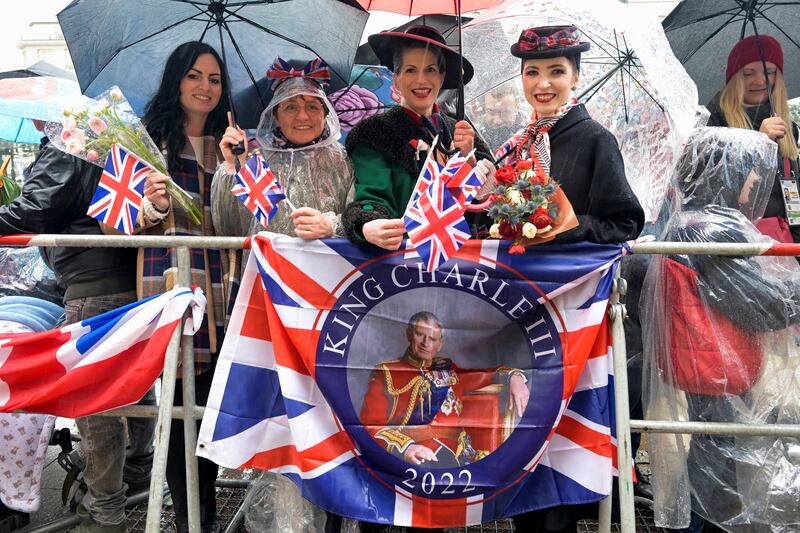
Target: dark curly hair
164,117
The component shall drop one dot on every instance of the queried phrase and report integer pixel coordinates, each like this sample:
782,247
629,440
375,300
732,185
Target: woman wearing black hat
584,159
389,150
578,152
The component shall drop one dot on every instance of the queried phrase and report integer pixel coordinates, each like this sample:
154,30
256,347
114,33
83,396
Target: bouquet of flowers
528,206
89,131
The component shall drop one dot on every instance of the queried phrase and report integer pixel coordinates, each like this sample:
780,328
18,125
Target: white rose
528,230
101,105
494,231
515,197
69,123
115,94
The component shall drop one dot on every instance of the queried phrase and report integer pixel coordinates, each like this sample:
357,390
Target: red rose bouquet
528,206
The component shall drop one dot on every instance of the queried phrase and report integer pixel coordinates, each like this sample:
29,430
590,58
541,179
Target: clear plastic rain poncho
317,175
720,345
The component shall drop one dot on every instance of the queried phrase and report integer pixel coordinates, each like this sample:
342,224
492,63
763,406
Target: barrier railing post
189,424
604,515
168,379
616,311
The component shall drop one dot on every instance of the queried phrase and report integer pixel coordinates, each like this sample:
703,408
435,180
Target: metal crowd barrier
166,411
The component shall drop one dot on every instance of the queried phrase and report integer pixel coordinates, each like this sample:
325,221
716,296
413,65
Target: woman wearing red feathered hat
744,102
388,150
564,142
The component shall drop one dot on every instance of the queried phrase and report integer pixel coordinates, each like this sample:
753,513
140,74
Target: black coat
54,199
587,163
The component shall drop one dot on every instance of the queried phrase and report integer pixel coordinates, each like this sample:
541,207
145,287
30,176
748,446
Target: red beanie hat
746,51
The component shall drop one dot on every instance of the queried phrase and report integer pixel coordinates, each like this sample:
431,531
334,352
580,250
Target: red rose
516,249
526,194
525,164
509,231
539,178
505,175
494,198
540,218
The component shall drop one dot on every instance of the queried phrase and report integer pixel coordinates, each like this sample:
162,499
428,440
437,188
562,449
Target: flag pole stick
422,171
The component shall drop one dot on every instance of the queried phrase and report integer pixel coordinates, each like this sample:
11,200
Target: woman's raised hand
155,190
463,137
774,127
386,233
233,135
229,138
311,224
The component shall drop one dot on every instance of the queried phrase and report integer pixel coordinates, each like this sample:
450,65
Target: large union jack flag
312,322
119,192
258,189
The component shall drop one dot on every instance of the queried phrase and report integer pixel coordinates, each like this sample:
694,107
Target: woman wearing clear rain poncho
297,135
720,346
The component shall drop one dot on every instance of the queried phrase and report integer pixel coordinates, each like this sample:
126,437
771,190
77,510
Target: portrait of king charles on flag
423,408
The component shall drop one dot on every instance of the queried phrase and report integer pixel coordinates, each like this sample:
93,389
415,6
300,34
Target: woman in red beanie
744,103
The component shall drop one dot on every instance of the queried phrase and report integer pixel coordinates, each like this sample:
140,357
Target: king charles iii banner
436,399
97,364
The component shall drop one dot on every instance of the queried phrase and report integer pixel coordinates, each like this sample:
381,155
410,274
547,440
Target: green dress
386,167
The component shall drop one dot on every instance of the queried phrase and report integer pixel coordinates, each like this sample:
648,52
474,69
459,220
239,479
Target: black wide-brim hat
544,42
385,43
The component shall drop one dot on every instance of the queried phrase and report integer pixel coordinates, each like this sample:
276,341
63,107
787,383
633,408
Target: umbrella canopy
630,81
415,8
123,43
702,33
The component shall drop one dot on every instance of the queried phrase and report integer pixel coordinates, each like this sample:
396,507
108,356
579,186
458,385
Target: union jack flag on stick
258,189
435,224
119,192
461,179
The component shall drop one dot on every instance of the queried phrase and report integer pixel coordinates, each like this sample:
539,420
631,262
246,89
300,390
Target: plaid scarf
157,267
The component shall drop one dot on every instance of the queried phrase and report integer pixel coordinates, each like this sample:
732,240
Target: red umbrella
414,8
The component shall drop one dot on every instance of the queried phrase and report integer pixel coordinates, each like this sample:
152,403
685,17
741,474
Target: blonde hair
731,102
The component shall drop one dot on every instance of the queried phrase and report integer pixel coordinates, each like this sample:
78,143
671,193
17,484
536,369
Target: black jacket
54,199
775,206
586,161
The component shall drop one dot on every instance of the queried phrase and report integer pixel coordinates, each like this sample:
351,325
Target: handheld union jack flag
119,192
436,225
258,189
461,179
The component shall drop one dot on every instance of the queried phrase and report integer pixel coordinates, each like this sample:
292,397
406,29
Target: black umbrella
702,33
125,43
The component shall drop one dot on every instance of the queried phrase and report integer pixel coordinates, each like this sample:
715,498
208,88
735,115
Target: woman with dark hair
584,158
567,143
186,118
388,150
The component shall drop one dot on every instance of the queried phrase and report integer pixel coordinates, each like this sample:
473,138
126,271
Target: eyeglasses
293,108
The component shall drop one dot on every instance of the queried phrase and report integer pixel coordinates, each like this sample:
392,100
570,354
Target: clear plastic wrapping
24,273
721,345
